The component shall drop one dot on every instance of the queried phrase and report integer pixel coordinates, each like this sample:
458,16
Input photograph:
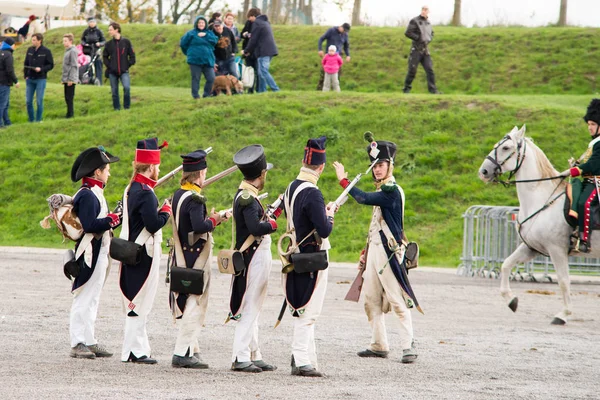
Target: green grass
441,140
466,60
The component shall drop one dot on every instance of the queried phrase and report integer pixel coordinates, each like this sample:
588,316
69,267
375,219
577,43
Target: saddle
594,212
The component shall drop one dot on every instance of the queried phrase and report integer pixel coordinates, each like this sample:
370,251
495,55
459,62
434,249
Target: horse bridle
520,157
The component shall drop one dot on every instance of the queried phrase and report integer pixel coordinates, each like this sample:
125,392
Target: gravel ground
471,346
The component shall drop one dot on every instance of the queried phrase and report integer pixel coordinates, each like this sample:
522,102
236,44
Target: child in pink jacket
331,65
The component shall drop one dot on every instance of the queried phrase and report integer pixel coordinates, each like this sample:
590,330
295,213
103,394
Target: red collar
91,182
145,180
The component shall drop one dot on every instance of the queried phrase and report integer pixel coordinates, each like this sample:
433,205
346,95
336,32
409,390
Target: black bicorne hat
89,160
382,150
314,152
251,160
593,112
194,161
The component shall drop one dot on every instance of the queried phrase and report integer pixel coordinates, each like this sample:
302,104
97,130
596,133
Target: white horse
541,220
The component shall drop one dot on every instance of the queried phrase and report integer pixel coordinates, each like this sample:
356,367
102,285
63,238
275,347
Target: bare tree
356,12
82,5
456,15
180,7
246,8
562,17
161,18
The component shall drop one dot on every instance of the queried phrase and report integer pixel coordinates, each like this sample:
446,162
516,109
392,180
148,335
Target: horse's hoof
514,303
558,321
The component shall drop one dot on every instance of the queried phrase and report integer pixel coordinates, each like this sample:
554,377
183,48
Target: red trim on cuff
344,183
575,172
273,224
214,222
114,220
166,209
277,212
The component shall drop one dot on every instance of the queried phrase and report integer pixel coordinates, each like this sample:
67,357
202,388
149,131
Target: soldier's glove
115,220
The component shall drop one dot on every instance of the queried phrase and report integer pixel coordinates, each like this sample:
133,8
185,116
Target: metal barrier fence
490,236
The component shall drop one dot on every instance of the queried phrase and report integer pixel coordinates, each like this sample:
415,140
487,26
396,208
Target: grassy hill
441,142
466,60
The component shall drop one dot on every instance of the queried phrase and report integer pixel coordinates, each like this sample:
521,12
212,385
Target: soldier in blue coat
588,167
253,238
311,223
386,284
194,231
92,167
143,220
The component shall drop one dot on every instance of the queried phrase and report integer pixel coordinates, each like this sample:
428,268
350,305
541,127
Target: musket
219,176
344,196
171,174
354,292
230,210
271,208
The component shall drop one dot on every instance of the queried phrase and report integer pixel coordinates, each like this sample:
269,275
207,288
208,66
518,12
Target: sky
474,12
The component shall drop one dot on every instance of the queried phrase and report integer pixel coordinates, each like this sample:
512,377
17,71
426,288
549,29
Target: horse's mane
546,168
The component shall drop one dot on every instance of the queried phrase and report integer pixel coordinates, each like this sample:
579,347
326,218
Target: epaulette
146,187
198,198
246,198
388,187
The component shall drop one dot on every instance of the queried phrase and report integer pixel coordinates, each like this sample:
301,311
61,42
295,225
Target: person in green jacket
198,45
588,167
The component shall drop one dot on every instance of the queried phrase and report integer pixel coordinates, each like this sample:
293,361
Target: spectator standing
7,78
225,50
198,45
215,16
420,31
332,62
262,45
118,56
70,72
230,24
338,37
38,61
92,39
250,59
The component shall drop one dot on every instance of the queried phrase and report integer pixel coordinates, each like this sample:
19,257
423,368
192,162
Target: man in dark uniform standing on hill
194,235
419,30
253,239
305,292
142,223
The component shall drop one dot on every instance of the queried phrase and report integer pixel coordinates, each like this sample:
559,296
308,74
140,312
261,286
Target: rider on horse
588,167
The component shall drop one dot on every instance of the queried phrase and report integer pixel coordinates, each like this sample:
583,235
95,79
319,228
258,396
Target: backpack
61,212
247,76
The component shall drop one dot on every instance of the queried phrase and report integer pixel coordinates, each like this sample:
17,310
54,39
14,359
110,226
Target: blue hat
314,152
194,161
251,160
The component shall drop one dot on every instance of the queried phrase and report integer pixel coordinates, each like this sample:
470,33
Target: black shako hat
251,161
194,161
382,150
593,112
314,152
89,160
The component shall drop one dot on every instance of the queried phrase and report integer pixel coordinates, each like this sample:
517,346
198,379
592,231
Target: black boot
584,246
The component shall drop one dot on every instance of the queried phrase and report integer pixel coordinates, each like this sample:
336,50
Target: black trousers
420,57
69,96
322,78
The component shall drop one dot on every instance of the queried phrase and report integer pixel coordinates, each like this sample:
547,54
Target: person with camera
92,39
92,167
143,221
253,238
311,223
193,242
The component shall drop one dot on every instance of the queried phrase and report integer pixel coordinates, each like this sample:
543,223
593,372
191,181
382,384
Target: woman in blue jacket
198,45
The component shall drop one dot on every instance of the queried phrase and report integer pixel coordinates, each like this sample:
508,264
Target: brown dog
226,83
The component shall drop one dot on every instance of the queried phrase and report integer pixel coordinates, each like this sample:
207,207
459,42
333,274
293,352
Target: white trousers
245,340
381,292
86,299
331,82
193,318
136,336
303,341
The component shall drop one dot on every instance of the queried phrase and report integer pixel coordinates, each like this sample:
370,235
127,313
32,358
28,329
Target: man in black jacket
262,45
91,40
7,78
38,61
338,37
225,50
118,56
420,31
